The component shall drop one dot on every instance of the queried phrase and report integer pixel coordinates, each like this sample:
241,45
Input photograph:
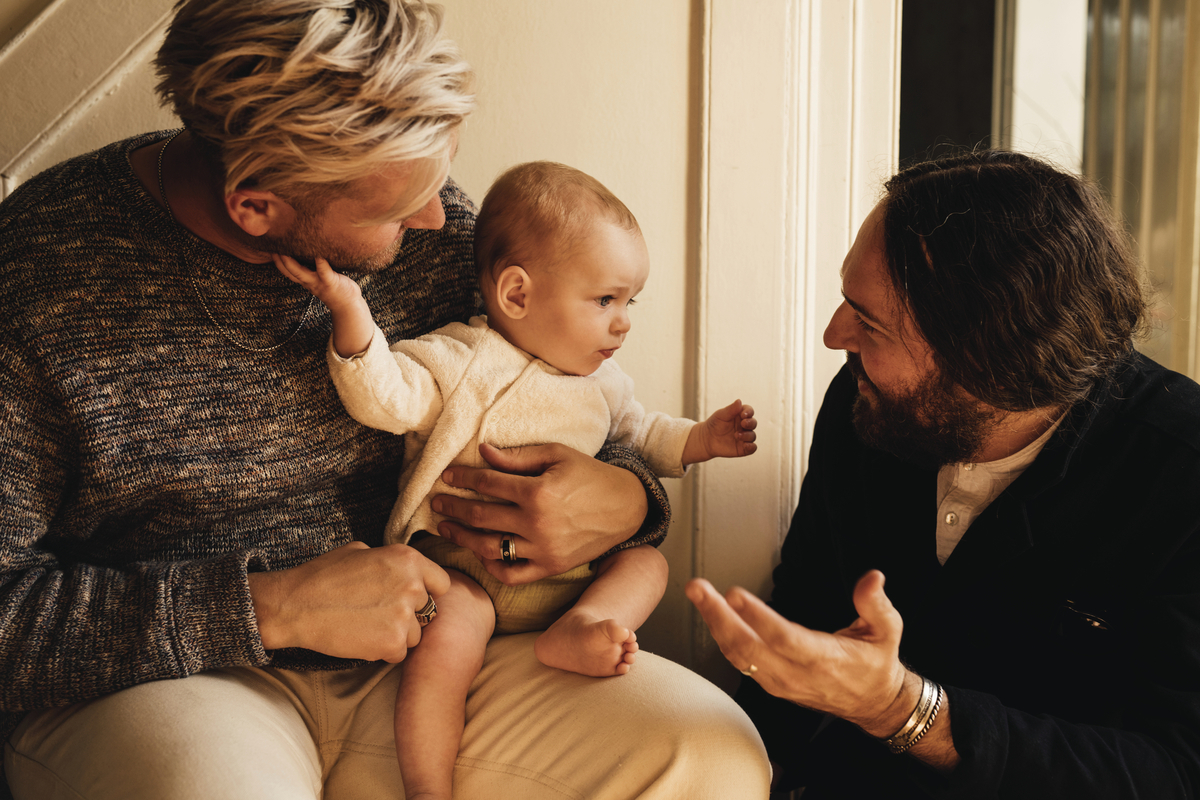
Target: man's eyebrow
863,312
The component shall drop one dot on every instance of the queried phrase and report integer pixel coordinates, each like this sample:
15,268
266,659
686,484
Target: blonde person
184,496
560,260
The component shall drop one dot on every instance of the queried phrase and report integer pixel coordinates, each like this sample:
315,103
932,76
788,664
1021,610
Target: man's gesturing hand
566,508
352,602
854,673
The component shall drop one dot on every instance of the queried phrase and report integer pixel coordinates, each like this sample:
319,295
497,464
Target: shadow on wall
946,63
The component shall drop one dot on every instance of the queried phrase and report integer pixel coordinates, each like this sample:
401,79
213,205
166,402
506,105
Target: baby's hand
332,288
728,433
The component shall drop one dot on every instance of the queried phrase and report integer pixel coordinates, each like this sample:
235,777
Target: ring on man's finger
749,671
427,612
508,550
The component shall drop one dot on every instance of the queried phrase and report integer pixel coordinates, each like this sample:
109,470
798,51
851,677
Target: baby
560,261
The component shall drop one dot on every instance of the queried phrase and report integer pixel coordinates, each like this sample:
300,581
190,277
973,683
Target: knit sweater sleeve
67,633
658,507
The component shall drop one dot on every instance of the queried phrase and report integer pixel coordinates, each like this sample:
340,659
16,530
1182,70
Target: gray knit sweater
147,464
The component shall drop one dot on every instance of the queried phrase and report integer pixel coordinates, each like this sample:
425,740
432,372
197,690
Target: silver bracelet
928,706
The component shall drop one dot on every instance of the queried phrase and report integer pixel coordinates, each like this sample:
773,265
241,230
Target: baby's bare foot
581,643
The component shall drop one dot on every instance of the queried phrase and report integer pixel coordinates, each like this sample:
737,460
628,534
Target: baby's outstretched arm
353,326
728,433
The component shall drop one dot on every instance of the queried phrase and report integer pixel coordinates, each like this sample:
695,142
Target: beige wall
74,77
15,15
749,147
608,88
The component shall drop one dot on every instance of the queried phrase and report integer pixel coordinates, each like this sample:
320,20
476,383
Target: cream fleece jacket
461,385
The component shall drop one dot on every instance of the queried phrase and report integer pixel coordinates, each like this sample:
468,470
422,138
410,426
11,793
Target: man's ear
258,212
513,287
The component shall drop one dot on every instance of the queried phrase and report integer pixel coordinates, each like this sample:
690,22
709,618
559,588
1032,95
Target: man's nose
840,333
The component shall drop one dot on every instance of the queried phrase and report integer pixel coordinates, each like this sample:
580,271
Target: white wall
749,145
1049,80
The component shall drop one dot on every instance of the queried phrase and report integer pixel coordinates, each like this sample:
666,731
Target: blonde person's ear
257,212
513,286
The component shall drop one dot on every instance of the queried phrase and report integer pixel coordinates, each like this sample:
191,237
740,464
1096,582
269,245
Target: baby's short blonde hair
316,93
535,213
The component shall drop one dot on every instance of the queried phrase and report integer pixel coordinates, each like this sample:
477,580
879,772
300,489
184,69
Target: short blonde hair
315,92
535,212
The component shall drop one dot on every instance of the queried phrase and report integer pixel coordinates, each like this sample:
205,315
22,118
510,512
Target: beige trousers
532,732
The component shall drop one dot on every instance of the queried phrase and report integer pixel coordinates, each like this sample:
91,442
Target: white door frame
801,126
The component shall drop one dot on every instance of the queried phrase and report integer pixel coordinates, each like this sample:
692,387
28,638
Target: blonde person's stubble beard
305,244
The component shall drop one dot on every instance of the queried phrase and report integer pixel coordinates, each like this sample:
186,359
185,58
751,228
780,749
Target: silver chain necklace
162,190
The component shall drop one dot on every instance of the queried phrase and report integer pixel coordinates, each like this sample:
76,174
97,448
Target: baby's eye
604,301
632,302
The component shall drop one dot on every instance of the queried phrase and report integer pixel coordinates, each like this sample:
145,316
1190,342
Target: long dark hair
1017,274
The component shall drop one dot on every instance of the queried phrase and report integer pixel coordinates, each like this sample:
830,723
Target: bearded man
1030,487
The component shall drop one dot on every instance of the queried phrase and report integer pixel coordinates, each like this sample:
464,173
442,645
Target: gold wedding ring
508,550
749,671
427,612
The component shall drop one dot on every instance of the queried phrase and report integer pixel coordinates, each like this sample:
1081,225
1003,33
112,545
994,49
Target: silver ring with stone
427,612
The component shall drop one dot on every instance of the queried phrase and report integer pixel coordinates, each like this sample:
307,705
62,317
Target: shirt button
968,467
951,518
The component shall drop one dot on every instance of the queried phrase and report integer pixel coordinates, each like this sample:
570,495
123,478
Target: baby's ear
513,285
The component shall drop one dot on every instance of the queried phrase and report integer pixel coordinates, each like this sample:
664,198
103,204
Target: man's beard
930,426
304,243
